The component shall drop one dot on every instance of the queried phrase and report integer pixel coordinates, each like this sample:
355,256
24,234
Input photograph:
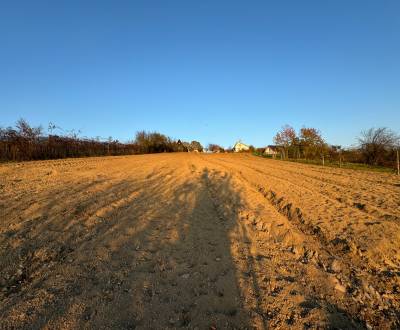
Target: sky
212,71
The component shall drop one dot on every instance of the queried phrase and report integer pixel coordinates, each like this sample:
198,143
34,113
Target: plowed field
197,241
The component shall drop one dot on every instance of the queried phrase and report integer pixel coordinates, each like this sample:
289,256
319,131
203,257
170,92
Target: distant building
239,146
271,151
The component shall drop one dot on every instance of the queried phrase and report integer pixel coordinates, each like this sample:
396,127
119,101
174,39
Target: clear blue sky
214,71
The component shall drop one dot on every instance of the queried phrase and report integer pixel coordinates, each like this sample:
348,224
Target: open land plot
193,240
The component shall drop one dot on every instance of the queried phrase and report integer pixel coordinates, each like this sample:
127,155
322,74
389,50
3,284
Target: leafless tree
27,131
24,142
375,143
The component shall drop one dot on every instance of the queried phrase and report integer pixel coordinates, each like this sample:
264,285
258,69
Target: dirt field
197,241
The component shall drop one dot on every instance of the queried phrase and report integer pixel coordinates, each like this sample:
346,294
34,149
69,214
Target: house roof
240,143
272,147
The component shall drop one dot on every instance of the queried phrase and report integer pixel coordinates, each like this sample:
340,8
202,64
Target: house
271,151
239,146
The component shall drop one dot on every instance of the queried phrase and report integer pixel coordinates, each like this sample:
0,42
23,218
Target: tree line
376,146
25,142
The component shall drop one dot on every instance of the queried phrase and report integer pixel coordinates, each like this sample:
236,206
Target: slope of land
197,241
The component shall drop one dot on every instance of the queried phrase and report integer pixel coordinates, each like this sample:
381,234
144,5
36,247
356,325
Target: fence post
340,161
323,160
398,163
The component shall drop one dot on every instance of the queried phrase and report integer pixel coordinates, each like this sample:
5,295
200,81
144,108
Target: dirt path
197,241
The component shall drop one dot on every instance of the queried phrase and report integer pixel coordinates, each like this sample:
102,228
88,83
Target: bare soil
197,241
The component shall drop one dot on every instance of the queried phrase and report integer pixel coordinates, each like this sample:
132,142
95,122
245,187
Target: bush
25,142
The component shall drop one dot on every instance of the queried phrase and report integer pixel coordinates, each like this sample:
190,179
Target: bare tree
25,142
27,131
375,143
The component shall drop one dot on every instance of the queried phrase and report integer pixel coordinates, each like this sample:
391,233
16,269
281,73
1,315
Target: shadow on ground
155,253
158,259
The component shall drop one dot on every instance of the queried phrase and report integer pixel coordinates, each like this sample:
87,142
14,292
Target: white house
271,151
239,146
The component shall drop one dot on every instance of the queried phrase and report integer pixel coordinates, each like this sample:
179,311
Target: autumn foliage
308,144
377,146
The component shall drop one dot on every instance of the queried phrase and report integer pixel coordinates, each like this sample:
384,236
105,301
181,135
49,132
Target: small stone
260,226
294,250
185,276
340,288
335,266
217,259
